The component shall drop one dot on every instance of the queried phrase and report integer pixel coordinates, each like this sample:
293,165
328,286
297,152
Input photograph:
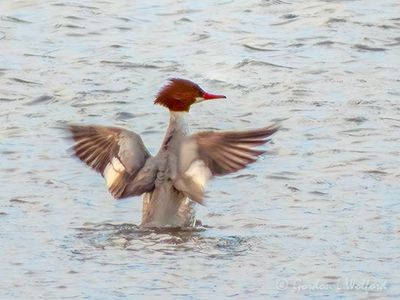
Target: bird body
174,179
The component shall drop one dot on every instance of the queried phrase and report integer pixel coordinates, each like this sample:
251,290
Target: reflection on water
169,241
317,216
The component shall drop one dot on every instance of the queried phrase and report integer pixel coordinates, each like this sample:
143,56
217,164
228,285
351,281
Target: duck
173,181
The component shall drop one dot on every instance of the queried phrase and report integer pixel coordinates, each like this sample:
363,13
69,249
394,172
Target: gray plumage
176,176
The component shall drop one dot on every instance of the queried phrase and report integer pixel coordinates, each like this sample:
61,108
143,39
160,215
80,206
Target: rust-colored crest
179,94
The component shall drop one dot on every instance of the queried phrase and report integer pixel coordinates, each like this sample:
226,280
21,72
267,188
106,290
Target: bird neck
177,130
177,122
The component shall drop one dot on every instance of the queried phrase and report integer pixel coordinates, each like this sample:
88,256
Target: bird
173,181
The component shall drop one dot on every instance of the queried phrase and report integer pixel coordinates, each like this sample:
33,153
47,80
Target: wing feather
119,155
212,153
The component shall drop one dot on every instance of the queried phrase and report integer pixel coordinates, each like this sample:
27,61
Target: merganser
173,180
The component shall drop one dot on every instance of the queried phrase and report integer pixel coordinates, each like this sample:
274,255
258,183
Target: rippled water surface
317,216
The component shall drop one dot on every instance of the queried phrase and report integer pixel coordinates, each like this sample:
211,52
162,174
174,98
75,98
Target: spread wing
210,153
119,155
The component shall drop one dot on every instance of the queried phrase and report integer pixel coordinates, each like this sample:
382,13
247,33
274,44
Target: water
317,216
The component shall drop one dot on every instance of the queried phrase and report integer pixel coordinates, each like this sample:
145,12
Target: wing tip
271,129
